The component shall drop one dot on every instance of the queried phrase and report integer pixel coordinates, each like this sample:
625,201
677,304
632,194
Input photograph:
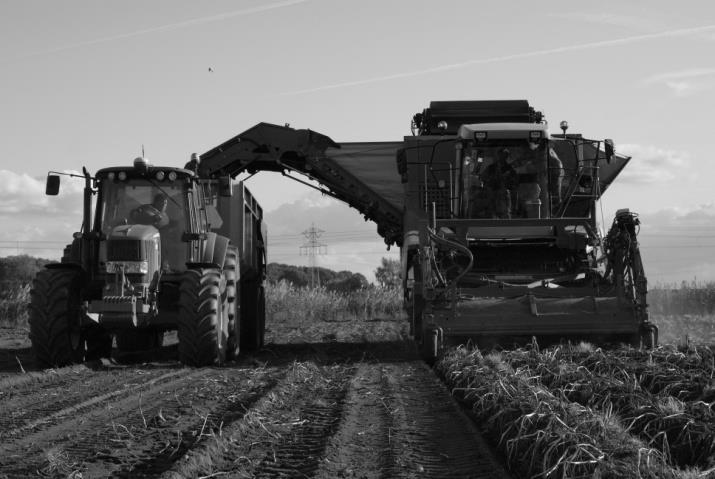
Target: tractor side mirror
52,187
225,188
610,149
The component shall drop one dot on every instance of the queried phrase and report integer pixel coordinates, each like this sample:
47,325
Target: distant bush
20,269
300,277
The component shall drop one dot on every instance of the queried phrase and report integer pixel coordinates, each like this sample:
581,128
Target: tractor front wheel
203,318
55,318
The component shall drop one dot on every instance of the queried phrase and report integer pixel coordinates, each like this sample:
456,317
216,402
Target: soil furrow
429,433
161,451
63,400
286,432
85,433
361,446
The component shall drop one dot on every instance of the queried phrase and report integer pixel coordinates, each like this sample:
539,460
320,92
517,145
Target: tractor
160,249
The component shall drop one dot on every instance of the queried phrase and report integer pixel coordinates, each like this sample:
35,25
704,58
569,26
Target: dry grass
582,412
14,299
296,315
540,433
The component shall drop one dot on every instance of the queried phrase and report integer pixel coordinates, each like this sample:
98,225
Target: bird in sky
211,70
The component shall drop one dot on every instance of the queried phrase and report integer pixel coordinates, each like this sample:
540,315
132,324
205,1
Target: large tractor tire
203,318
253,317
55,318
132,340
231,271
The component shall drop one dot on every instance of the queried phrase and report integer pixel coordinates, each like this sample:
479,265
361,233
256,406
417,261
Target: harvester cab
501,240
160,249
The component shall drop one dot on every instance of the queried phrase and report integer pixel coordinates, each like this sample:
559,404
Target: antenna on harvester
312,248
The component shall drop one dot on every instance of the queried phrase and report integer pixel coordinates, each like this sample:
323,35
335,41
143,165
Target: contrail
516,56
172,26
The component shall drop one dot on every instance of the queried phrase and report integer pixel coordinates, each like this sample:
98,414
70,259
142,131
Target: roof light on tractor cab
535,135
122,175
172,176
141,164
111,176
480,135
159,175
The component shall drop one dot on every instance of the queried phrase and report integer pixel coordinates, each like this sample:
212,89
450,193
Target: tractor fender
214,251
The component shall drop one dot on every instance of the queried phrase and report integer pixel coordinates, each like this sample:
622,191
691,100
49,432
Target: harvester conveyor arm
267,147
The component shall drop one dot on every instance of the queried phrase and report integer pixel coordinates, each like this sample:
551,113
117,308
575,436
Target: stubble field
339,391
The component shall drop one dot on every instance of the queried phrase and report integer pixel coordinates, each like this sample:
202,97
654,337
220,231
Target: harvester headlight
172,175
480,135
159,175
535,135
122,175
129,267
111,175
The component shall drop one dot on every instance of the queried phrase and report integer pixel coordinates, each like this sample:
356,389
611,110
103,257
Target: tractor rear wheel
230,269
203,318
55,318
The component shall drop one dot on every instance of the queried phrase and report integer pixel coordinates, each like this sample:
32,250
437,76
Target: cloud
650,164
678,243
25,195
684,83
34,223
517,56
323,211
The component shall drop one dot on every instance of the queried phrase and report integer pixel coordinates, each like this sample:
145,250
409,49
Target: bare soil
356,405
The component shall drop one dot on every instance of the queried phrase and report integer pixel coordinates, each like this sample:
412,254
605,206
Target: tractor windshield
140,201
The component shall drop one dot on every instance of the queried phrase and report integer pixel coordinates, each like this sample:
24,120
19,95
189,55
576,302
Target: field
339,392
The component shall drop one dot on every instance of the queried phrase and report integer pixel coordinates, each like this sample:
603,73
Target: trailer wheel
55,318
649,336
203,321
429,345
234,306
253,317
417,307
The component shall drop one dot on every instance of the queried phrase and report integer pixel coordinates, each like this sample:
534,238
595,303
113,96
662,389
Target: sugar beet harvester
495,217
166,249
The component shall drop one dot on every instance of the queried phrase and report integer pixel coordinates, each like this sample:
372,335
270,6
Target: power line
312,249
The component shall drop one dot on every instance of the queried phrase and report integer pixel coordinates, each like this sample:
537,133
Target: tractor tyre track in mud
312,410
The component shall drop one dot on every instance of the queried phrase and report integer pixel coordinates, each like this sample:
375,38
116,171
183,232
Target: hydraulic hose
454,246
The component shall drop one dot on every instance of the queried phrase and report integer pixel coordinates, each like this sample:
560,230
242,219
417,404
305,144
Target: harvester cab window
509,179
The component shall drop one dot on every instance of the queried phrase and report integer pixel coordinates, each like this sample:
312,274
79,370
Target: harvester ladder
572,192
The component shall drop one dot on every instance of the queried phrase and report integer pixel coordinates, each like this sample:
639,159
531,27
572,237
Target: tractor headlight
129,267
159,175
122,175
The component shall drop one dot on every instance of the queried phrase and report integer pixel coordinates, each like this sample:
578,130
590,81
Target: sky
88,83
